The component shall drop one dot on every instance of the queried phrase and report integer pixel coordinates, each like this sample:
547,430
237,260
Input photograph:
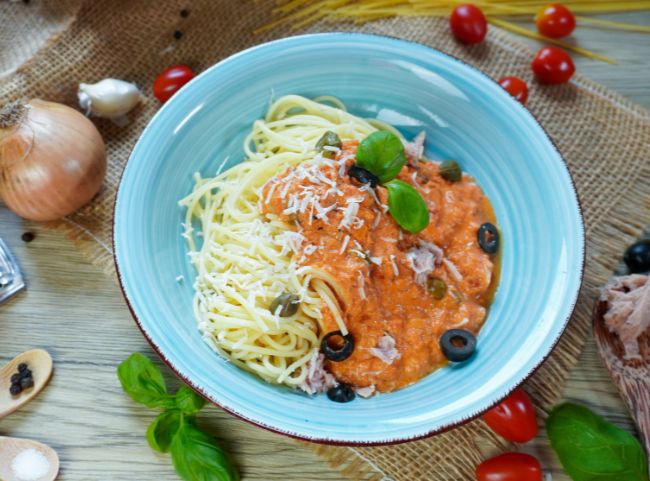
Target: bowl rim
330,440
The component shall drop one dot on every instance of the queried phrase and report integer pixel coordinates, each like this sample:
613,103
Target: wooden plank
74,311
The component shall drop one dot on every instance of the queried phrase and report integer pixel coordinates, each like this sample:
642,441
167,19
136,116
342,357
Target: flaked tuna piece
385,350
423,260
415,149
628,310
318,378
365,392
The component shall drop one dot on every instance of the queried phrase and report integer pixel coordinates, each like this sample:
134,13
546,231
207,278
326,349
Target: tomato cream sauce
395,321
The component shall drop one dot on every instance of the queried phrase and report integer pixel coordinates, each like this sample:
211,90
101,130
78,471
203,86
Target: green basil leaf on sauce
143,382
407,206
163,429
591,449
382,153
188,401
197,457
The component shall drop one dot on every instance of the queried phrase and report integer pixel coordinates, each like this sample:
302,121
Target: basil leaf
143,382
196,457
162,430
382,153
407,206
591,449
188,401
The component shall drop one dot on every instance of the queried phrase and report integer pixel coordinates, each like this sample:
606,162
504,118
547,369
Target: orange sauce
383,297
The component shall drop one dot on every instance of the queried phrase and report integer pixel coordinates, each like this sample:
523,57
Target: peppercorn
15,377
27,382
185,13
15,389
22,367
28,236
178,34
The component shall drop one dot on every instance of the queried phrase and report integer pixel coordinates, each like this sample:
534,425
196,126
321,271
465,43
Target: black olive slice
458,345
363,176
337,347
488,238
637,257
341,393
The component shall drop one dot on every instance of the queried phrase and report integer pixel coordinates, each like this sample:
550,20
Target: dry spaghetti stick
527,33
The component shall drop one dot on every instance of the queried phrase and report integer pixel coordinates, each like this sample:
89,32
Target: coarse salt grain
30,465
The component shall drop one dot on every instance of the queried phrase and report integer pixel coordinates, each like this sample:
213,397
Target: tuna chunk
385,350
415,150
423,260
628,312
318,378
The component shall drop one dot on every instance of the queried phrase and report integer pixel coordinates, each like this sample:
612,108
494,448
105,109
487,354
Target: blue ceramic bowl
466,116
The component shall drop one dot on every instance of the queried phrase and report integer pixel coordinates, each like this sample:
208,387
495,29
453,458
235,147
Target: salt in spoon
17,455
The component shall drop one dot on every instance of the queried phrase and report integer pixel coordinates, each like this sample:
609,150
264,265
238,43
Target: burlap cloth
605,139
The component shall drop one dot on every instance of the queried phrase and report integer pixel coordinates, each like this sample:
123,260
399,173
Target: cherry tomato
510,467
170,80
515,87
514,418
555,21
468,24
553,65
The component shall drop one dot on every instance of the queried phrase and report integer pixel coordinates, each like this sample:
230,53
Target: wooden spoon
40,363
632,377
12,447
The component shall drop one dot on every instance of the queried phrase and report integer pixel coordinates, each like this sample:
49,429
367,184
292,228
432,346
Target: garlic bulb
110,98
52,159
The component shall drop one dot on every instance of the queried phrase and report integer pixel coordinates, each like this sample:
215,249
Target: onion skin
52,161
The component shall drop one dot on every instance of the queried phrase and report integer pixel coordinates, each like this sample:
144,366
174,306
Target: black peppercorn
22,367
15,389
27,382
28,236
185,13
15,377
178,34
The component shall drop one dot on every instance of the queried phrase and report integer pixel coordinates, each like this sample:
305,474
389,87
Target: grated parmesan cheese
394,264
453,270
362,284
344,245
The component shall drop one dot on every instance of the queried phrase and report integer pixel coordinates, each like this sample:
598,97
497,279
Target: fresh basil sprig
195,455
591,449
407,206
382,154
197,458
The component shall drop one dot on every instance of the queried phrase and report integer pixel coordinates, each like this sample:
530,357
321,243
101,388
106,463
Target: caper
450,170
437,287
288,304
329,139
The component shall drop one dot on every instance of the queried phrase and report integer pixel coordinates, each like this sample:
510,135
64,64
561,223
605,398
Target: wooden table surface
71,309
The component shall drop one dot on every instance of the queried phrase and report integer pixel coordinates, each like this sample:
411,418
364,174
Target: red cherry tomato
170,80
468,24
553,65
510,467
515,87
514,418
555,21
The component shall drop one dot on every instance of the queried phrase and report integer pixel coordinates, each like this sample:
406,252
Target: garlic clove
110,98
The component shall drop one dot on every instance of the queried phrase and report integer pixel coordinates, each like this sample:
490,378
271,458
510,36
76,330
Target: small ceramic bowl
466,116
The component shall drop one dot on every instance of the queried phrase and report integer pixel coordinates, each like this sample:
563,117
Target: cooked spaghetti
290,248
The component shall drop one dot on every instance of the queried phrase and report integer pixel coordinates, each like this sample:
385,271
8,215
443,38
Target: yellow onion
52,159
